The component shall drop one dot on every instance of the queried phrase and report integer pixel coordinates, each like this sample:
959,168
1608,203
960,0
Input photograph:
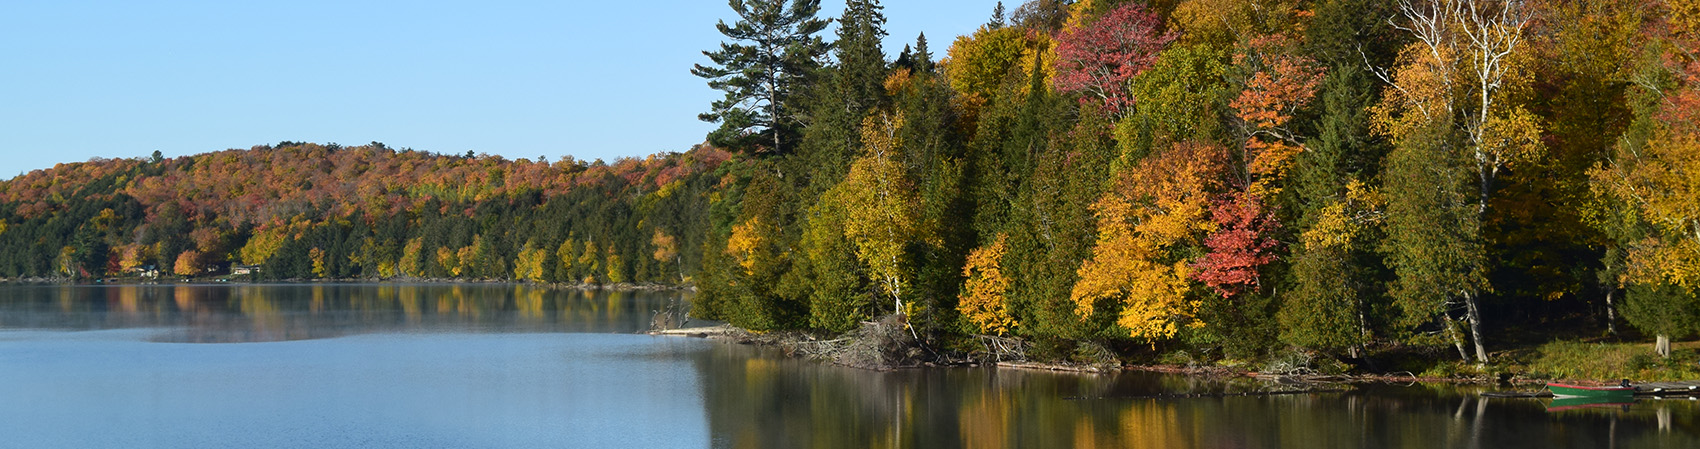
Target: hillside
317,211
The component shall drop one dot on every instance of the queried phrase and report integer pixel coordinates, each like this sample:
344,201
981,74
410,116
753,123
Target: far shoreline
123,282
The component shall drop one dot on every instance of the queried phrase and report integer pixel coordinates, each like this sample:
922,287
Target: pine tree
847,93
774,54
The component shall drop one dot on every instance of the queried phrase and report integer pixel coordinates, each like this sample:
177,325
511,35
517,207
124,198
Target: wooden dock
1688,388
1683,388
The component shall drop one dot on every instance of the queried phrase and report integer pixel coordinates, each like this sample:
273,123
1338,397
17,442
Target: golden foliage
263,244
449,260
188,263
1662,181
982,298
880,204
133,255
566,253
744,243
1422,93
1342,221
978,64
1155,205
666,247
529,264
616,267
411,257
318,257
590,261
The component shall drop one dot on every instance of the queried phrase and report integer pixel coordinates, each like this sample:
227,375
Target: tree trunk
1361,350
1662,346
1611,313
1475,317
1452,332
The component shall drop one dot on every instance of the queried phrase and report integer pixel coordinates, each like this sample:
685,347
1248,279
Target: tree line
309,211
1224,177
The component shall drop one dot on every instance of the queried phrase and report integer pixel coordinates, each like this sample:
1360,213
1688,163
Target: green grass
1608,361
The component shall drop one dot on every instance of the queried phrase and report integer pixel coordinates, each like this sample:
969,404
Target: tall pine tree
773,54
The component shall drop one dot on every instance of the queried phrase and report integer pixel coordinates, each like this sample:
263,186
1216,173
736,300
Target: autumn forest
1226,179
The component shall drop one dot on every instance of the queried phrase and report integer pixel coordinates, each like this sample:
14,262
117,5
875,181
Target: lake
345,365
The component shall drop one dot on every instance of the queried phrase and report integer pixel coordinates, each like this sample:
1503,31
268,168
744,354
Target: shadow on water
757,400
260,313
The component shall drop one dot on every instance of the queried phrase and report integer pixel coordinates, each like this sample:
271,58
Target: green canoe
1585,391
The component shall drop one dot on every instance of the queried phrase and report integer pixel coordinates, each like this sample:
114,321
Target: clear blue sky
592,79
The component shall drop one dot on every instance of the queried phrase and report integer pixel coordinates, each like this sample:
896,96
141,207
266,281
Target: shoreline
726,333
792,342
623,286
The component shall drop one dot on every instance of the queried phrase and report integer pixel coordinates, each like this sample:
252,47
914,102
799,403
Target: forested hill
1215,179
325,211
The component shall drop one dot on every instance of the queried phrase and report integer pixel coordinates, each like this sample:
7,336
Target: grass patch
1607,361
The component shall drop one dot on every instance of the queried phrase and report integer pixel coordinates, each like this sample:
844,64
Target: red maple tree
1101,57
1239,247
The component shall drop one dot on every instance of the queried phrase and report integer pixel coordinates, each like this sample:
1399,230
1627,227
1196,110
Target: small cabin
239,270
146,271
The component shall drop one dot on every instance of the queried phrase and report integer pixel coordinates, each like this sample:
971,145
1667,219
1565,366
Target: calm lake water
331,366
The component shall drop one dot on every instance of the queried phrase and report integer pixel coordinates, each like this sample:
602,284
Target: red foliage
1101,57
1238,247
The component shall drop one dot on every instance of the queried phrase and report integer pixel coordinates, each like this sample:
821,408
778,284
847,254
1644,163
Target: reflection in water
756,400
480,365
254,313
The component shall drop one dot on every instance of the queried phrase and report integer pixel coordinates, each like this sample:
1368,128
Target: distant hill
302,210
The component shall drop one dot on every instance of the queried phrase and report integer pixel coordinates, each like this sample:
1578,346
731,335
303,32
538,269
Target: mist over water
516,366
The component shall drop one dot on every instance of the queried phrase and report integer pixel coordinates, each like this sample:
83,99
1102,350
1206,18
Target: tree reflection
252,313
756,399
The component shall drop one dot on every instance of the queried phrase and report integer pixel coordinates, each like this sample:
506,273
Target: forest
1226,179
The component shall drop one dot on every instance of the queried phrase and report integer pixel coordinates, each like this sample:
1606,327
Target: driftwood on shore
1055,367
1218,394
701,332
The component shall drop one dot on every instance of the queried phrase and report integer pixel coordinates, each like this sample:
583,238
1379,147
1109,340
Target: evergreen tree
844,96
774,53
923,58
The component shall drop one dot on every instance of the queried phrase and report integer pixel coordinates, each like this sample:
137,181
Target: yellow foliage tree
263,244
133,255
667,250
410,258
590,261
448,259
880,201
977,64
188,263
616,267
566,254
982,298
744,244
1341,222
1154,206
318,257
529,263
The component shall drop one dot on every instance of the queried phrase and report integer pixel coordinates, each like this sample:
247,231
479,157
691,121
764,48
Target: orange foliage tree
1153,208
